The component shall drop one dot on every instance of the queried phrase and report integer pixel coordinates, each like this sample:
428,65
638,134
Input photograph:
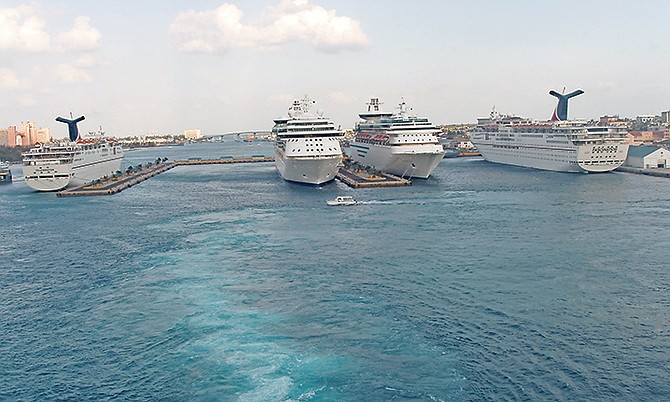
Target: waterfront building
648,157
42,135
644,137
8,137
613,120
29,132
647,120
192,134
665,117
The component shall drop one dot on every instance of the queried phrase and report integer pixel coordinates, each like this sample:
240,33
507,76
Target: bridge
247,135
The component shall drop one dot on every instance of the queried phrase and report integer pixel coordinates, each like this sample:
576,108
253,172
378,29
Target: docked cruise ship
307,145
5,173
56,165
558,144
398,143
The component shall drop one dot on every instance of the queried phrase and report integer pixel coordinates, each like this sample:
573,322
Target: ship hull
308,170
576,159
58,177
417,161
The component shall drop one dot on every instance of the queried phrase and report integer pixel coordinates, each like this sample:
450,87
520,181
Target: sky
154,67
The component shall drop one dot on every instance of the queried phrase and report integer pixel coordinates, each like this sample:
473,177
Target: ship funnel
72,129
561,111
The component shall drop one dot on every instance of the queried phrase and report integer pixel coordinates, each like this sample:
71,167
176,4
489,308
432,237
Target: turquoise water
485,282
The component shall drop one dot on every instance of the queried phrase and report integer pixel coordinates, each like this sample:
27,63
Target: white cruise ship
558,144
307,145
5,173
396,143
56,165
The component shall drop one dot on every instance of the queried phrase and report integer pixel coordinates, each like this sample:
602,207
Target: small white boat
342,200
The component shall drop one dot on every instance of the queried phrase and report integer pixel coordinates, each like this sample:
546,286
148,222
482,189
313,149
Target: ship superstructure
398,143
558,144
55,165
307,145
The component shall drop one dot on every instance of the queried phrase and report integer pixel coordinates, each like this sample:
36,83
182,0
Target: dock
363,179
657,172
355,178
224,160
115,185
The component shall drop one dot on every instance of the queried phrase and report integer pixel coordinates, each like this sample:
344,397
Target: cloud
86,61
341,97
21,30
72,73
77,71
9,80
82,36
281,99
293,20
607,86
27,100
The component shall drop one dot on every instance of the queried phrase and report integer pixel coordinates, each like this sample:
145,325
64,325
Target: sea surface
225,283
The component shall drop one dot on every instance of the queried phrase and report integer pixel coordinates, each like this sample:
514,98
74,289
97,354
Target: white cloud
77,70
281,99
82,36
21,29
27,100
72,73
9,80
293,20
86,61
607,86
341,97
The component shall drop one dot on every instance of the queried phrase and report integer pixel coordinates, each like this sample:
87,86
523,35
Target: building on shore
192,134
665,117
647,157
27,134
645,137
9,137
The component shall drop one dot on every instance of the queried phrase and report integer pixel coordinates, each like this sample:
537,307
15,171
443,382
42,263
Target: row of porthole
315,149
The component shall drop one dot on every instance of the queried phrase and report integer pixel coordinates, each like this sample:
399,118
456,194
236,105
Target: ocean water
225,283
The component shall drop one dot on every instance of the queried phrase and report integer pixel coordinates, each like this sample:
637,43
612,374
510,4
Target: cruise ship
5,173
307,145
558,144
398,143
56,165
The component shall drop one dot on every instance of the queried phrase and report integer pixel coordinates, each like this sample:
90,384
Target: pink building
645,137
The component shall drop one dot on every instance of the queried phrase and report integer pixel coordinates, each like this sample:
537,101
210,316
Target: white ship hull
417,160
51,174
583,158
307,169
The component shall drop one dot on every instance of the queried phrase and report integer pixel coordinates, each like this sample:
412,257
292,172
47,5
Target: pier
363,179
115,185
657,172
356,178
